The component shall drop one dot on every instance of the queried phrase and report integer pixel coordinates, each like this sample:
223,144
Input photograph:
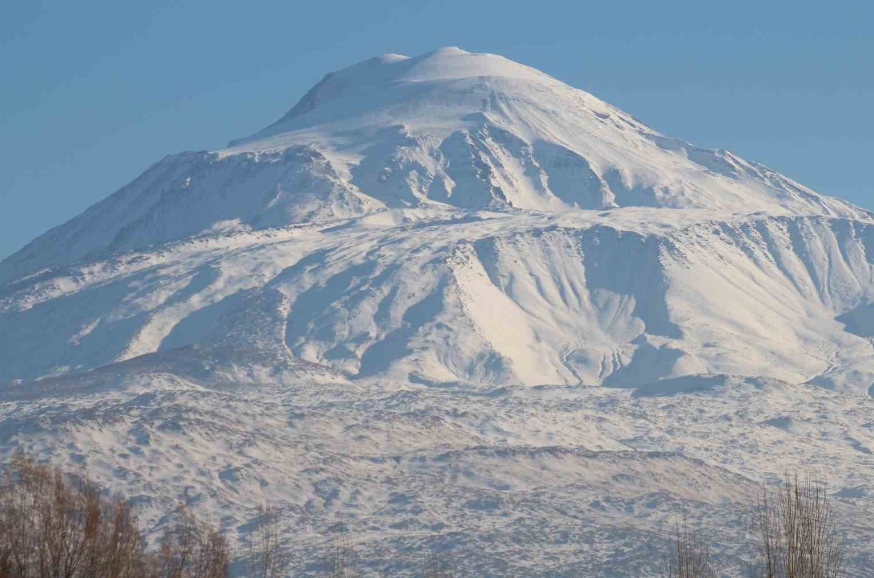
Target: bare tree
796,531
267,558
342,560
437,566
54,526
690,554
123,547
190,549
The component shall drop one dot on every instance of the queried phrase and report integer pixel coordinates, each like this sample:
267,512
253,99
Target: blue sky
92,92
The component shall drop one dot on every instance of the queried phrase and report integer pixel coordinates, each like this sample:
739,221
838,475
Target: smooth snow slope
436,263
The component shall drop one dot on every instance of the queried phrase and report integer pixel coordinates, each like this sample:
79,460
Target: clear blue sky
93,92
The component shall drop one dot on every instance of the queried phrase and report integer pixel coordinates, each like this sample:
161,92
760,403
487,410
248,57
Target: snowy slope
620,297
448,128
429,280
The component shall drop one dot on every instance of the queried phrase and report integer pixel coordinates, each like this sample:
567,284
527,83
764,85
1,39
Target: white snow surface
449,302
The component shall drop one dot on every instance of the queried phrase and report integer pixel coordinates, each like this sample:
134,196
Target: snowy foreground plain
448,302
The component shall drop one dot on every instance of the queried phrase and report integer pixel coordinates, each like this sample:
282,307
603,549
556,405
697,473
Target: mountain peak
448,50
445,130
454,63
342,316
378,79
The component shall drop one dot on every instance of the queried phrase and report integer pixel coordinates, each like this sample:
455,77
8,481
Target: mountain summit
441,291
446,129
548,208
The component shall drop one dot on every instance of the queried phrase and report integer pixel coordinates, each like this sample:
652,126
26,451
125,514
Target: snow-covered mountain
430,280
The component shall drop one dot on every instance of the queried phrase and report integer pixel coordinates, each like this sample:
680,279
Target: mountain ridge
488,141
448,301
